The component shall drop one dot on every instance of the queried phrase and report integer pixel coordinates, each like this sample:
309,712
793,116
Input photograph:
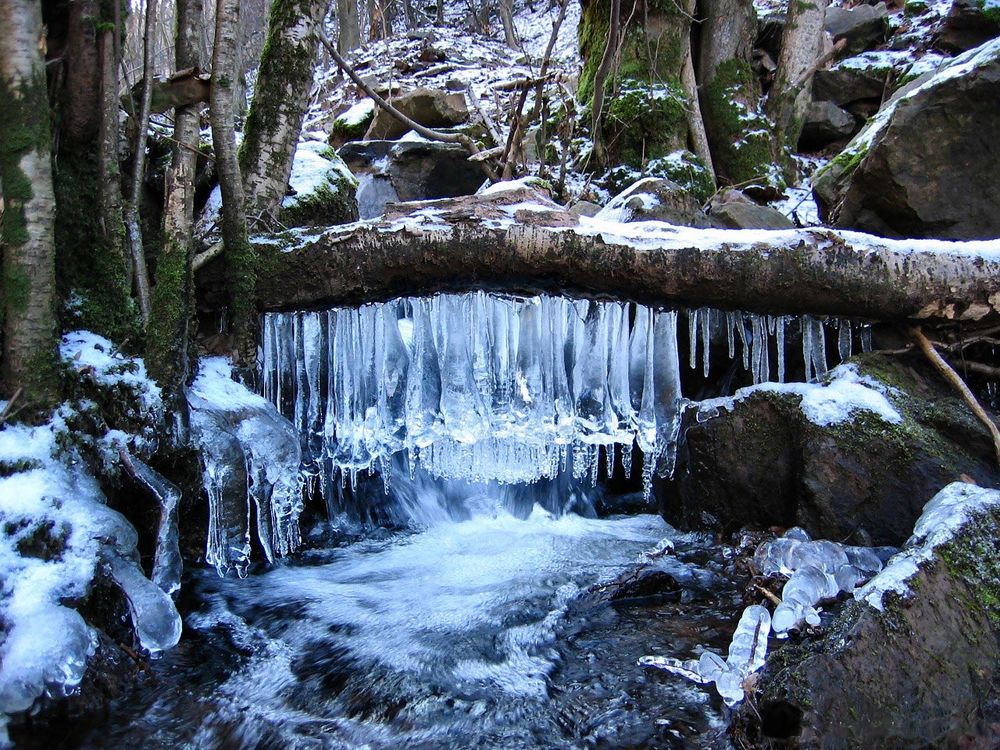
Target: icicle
693,336
805,326
818,349
705,320
730,340
866,337
167,561
742,331
780,334
627,459
844,339
154,616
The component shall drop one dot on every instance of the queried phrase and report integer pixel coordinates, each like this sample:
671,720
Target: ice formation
747,652
486,387
817,571
251,459
57,533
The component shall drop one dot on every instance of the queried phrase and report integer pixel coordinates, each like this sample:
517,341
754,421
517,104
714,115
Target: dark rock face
950,129
967,25
843,86
825,123
428,107
865,481
912,675
862,27
417,170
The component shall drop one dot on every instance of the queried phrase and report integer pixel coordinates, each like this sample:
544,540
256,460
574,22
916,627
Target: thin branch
8,410
434,135
958,384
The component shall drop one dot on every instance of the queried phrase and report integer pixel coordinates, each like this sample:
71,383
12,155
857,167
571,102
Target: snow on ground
55,533
837,399
946,513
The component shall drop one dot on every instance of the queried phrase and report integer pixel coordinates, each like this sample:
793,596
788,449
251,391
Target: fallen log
514,240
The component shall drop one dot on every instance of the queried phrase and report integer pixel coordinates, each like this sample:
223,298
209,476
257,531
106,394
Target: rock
680,167
656,199
352,124
740,215
322,189
862,26
968,25
947,126
428,107
584,208
898,671
769,31
764,463
825,123
418,169
843,85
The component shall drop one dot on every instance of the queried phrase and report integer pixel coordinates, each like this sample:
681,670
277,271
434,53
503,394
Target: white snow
96,357
944,515
313,168
357,113
834,401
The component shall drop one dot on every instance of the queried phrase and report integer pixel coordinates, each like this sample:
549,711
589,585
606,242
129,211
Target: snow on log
511,239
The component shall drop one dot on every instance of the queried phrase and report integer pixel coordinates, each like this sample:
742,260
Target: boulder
910,661
415,169
825,123
862,27
968,24
844,85
947,126
749,215
428,107
760,459
656,199
322,190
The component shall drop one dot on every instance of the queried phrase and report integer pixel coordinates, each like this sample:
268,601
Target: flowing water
488,623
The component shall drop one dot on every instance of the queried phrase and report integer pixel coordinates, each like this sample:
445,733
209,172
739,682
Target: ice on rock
250,454
154,617
747,653
167,563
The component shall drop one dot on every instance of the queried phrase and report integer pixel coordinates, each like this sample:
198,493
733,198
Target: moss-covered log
499,244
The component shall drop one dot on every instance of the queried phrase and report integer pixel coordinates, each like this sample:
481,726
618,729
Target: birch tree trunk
28,280
168,340
275,120
240,256
801,45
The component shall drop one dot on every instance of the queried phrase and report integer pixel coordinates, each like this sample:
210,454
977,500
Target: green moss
741,136
352,131
973,558
687,170
991,13
915,7
90,263
643,123
166,344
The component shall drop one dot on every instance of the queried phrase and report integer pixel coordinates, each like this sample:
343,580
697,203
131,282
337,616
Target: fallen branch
434,135
959,385
8,410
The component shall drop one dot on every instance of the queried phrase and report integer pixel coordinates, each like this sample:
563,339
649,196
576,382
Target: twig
8,411
491,127
956,381
433,135
768,594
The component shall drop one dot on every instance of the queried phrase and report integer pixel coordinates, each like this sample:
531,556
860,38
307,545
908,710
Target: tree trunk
275,120
168,340
801,45
240,256
810,271
28,282
600,78
133,230
349,36
506,10
738,133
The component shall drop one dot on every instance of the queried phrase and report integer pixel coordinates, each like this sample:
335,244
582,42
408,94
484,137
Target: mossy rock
326,190
680,167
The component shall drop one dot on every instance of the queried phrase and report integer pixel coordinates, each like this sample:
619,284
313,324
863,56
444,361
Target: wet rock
948,127
656,199
864,481
862,27
825,123
912,674
429,107
967,25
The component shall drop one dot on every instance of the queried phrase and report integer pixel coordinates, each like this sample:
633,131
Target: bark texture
349,30
816,271
240,257
168,348
801,44
27,285
279,103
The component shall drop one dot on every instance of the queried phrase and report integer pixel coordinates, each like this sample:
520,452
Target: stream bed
492,632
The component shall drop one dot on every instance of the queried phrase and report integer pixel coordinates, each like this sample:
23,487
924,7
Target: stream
485,624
